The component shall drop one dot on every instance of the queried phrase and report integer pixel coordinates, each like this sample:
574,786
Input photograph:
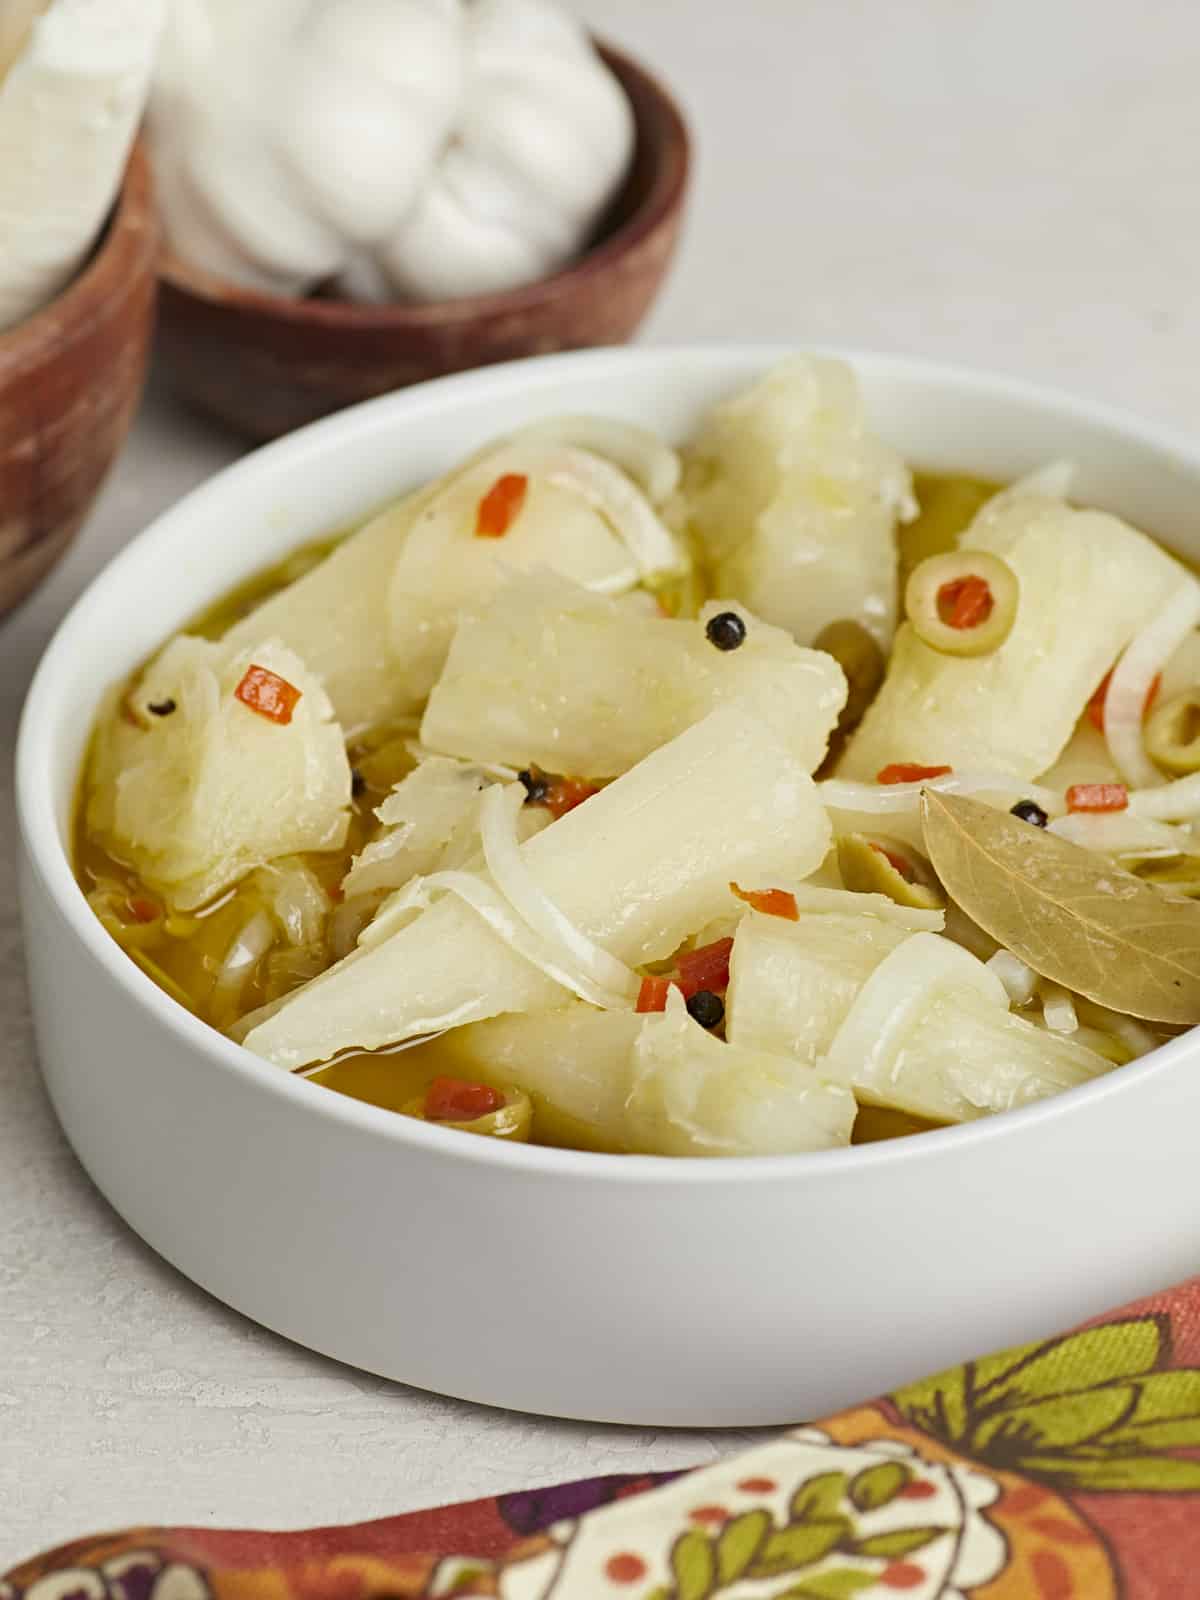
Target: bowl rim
50,861
662,202
127,249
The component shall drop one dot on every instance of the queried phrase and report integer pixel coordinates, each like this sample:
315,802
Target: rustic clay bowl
266,363
70,380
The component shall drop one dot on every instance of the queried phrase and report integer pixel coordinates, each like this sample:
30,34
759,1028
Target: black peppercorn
1030,811
706,1008
536,785
161,708
726,630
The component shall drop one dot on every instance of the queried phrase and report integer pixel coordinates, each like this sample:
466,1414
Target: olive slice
513,1120
963,603
861,659
877,864
1173,734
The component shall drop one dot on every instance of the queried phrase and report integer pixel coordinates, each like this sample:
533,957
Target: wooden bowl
71,377
265,364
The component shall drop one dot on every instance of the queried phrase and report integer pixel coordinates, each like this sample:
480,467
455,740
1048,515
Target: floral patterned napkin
1068,1470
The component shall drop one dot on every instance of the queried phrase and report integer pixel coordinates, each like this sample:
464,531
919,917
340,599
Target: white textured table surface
1008,186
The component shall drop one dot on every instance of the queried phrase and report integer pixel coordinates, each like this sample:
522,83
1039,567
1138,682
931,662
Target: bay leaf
1068,914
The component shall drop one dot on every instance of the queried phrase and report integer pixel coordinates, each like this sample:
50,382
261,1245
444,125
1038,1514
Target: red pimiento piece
706,968
267,693
565,794
652,996
771,902
1095,706
896,862
1097,797
919,1489
965,603
455,1100
141,909
758,1485
501,506
909,772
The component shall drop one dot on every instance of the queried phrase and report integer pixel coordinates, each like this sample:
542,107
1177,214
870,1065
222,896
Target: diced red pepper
896,862
455,1100
771,902
501,506
652,996
142,909
965,603
267,693
564,794
1095,706
705,968
909,772
1097,797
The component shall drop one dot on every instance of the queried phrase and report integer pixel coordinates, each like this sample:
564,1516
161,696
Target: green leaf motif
821,1497
938,1406
1057,1424
694,1566
841,1583
1097,1357
900,1542
1118,1474
739,1543
878,1486
801,1545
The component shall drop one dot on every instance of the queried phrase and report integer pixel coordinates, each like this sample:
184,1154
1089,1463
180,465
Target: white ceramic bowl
642,1290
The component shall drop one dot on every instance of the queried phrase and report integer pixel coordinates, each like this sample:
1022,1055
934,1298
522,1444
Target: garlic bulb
411,148
70,101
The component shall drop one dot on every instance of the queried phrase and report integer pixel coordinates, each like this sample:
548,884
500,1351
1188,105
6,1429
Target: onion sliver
1169,802
1058,1010
1121,833
244,954
498,813
1131,681
1018,979
1054,480
640,454
850,902
619,501
491,907
881,798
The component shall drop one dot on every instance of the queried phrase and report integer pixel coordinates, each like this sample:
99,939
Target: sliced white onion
498,813
654,548
1136,1035
1058,1009
1054,480
640,454
889,798
490,905
1121,833
1129,687
1018,979
299,902
1170,802
248,948
810,897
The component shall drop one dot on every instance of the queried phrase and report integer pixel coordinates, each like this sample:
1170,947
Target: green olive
1173,734
861,659
936,589
872,865
513,1120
